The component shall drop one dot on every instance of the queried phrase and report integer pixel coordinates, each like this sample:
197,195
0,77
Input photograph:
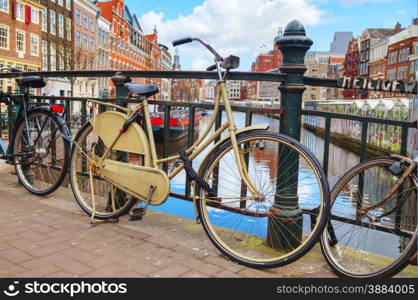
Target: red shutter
14,9
28,17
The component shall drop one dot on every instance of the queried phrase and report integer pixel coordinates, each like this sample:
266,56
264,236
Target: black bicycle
39,141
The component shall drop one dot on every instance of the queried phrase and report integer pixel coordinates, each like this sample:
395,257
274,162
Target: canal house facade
20,37
57,44
85,47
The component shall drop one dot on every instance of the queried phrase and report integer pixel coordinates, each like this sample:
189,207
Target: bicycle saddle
144,90
31,82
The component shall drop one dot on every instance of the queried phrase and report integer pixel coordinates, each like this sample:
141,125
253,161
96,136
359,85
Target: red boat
179,124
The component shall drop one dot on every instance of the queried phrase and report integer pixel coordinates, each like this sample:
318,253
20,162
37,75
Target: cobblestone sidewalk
50,237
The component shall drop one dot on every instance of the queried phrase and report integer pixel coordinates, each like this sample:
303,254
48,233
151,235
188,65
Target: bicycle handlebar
182,41
207,46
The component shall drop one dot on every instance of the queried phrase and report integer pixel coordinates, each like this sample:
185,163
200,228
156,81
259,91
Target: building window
35,15
85,22
44,20
69,28
91,44
403,54
78,39
91,25
68,4
61,58
78,17
85,41
4,37
393,58
52,22
20,41
20,12
53,57
61,2
4,5
44,55
60,25
34,44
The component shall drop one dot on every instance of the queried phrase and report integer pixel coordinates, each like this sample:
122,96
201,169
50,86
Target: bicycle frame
200,144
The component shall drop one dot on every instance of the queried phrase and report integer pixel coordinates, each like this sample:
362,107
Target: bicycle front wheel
41,152
287,219
380,242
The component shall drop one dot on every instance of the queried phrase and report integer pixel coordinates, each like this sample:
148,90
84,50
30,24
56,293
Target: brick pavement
50,237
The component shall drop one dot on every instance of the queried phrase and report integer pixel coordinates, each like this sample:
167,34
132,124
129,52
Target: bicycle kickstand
136,213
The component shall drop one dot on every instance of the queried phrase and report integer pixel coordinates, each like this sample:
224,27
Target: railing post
119,81
293,44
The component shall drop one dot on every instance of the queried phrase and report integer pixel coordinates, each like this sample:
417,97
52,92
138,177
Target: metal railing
249,111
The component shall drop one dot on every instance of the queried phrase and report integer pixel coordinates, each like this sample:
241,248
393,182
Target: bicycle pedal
136,214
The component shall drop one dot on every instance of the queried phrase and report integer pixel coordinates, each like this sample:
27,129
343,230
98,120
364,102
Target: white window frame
91,44
44,56
78,39
60,25
44,13
68,4
20,12
69,29
34,15
85,21
7,37
53,56
91,24
61,61
23,33
78,17
4,6
52,22
32,38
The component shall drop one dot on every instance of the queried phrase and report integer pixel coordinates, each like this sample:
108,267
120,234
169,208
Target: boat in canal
179,124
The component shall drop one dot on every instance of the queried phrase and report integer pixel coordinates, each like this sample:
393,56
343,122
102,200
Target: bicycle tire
218,233
328,246
27,180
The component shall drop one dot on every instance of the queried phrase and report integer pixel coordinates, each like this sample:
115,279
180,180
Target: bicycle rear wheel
41,163
109,202
285,222
377,244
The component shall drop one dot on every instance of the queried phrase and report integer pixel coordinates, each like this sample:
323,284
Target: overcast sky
247,27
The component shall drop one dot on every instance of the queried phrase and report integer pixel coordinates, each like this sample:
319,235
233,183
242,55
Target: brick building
104,35
400,47
85,46
166,62
318,65
377,64
20,36
266,62
352,67
57,44
129,48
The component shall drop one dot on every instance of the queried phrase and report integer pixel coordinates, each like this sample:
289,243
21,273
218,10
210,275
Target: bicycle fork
239,159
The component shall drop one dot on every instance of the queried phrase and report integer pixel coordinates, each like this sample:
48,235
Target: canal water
340,160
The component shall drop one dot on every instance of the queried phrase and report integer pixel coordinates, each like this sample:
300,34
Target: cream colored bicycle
243,194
